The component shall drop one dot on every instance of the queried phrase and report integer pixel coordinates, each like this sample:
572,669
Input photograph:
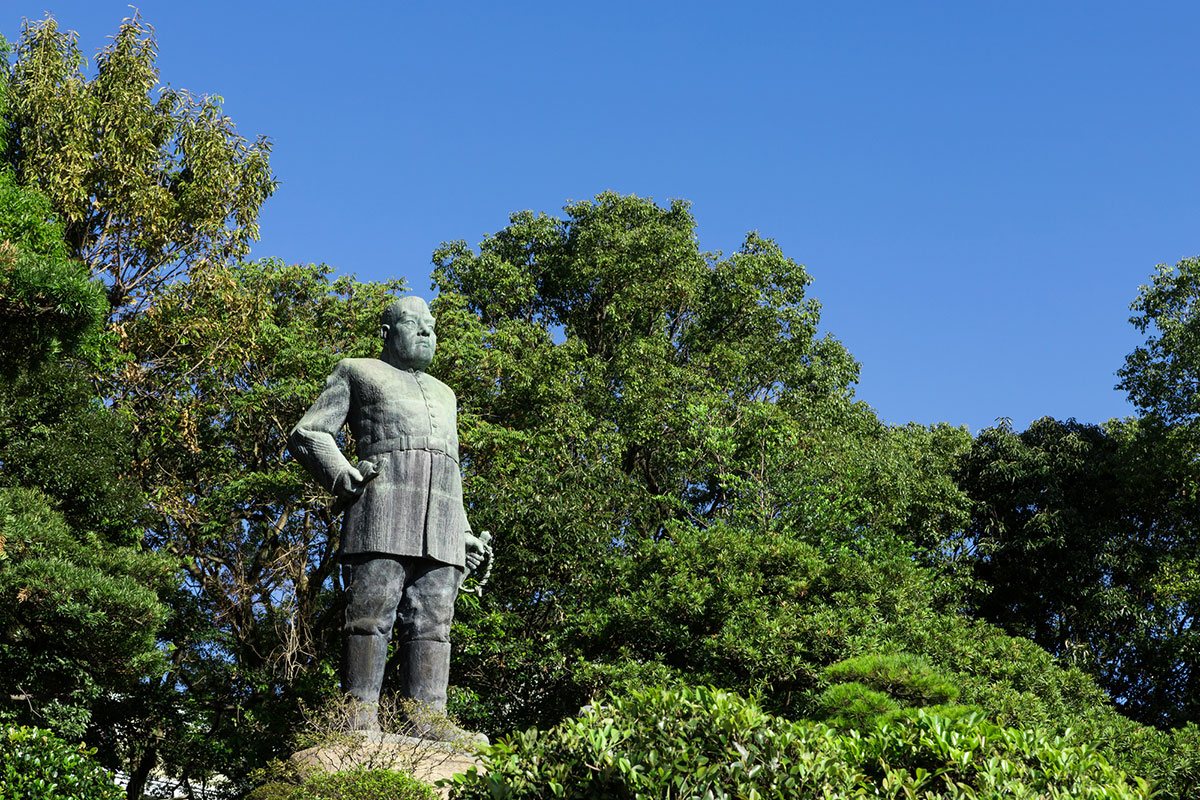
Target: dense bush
359,784
382,768
37,765
79,616
709,743
774,613
875,688
906,677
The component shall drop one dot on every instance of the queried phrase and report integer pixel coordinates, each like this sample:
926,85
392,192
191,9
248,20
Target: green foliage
359,784
377,784
906,677
758,611
37,765
145,185
47,306
54,434
47,303
218,368
1162,376
277,791
729,516
768,613
57,437
27,220
1179,767
78,616
875,689
851,705
78,605
708,743
1083,540
623,394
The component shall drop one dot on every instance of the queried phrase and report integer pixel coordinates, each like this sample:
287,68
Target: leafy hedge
815,631
37,765
703,742
358,784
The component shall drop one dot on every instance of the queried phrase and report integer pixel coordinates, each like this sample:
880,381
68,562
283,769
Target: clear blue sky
977,188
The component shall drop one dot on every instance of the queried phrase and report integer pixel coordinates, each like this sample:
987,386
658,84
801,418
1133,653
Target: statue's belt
370,470
434,444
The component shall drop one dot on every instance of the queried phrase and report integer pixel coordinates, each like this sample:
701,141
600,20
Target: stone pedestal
424,759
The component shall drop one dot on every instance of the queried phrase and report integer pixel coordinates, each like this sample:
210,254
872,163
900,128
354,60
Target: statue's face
409,341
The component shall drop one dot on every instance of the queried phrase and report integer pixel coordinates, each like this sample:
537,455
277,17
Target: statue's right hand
349,484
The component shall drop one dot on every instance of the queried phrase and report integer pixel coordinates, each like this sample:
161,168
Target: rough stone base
424,759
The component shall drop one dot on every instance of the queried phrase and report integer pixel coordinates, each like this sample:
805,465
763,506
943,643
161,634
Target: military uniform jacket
404,422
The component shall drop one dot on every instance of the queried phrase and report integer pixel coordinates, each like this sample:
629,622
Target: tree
145,185
47,303
1083,540
79,606
219,367
78,617
1162,377
54,434
606,369
1082,535
684,491
624,394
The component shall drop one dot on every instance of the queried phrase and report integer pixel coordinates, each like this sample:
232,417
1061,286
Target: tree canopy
1162,376
684,490
79,604
47,303
1083,541
145,182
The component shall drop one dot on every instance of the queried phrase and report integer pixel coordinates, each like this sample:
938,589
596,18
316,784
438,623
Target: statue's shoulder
360,367
350,372
439,387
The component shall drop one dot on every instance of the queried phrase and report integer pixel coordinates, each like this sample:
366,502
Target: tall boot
424,674
363,663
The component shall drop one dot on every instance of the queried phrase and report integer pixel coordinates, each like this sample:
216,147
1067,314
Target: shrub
854,706
358,784
907,677
37,765
276,791
874,689
368,784
370,766
709,743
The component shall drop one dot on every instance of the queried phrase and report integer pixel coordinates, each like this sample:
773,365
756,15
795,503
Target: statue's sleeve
453,404
312,442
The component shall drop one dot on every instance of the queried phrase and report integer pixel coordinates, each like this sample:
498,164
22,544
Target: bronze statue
405,538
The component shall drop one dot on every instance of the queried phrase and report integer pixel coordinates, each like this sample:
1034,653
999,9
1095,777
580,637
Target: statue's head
408,337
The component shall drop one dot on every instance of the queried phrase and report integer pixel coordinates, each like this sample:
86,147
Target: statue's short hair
397,307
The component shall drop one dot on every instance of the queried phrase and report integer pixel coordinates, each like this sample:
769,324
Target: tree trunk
137,778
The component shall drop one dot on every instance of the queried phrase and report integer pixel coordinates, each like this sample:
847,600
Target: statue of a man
405,538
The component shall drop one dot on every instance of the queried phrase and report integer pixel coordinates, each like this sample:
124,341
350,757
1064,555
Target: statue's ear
383,331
